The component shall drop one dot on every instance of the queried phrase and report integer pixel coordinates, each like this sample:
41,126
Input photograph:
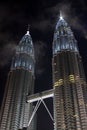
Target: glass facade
70,88
15,111
64,38
24,54
69,84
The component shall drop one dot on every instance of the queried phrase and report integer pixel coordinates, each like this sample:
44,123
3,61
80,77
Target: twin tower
69,85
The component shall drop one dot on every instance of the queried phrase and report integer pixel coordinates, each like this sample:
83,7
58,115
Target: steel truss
39,98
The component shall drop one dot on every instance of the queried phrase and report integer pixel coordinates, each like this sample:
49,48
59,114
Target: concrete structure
70,88
15,111
69,91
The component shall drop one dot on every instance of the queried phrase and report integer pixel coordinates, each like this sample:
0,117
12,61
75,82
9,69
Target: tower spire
28,28
68,39
61,17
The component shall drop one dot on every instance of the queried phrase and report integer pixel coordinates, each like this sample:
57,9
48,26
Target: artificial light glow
61,17
71,78
58,83
27,33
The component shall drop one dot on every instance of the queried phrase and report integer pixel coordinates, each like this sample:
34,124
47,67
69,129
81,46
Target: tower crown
24,57
64,39
26,45
61,17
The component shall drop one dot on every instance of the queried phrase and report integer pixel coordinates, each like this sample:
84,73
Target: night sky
42,16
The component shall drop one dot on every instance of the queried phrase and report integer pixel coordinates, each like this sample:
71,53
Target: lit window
22,48
76,49
67,46
63,47
81,102
27,64
58,83
61,31
71,45
54,63
15,64
19,63
77,77
30,67
75,115
31,51
57,32
23,63
55,50
71,78
31,42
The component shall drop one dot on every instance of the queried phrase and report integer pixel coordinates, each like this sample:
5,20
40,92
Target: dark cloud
78,25
42,25
13,20
46,21
42,15
40,56
6,53
71,15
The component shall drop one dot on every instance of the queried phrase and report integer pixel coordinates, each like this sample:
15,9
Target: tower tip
28,27
61,17
28,30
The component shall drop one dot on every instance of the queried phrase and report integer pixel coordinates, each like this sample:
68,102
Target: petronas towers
69,84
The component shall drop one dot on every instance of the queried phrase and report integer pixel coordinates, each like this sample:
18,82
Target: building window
58,83
72,78
30,67
15,64
22,48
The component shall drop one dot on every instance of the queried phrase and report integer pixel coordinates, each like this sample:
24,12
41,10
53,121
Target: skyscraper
69,85
70,88
15,111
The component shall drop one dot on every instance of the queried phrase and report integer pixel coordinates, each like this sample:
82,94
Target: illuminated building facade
70,89
69,84
15,111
